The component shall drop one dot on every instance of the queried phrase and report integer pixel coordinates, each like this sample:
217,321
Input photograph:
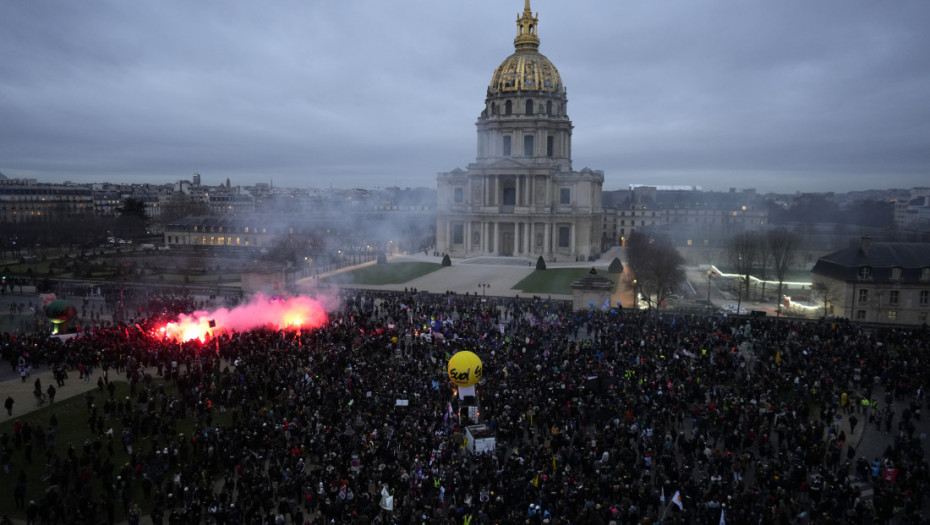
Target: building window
509,196
863,296
860,314
508,108
549,107
458,233
922,317
564,236
865,272
896,274
924,297
892,315
893,297
527,145
925,274
459,195
529,107
550,142
506,145
565,195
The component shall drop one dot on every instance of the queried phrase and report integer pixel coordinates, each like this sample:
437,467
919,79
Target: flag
606,304
676,499
387,501
777,357
662,495
722,522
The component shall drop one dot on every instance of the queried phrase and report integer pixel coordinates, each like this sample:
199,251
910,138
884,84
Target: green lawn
391,273
557,280
73,428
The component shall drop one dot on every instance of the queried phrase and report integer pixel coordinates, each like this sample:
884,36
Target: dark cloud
783,96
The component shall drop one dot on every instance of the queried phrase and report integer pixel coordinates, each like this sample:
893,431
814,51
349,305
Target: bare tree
655,267
783,245
828,293
743,250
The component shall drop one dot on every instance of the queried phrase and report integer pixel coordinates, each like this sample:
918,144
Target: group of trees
823,209
655,267
754,253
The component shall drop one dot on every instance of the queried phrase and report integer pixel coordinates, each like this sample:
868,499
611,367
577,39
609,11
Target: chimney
865,245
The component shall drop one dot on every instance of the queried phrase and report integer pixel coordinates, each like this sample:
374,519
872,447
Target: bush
615,266
446,261
540,263
382,258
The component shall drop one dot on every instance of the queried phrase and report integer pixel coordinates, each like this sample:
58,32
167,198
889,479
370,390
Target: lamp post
635,295
709,273
484,287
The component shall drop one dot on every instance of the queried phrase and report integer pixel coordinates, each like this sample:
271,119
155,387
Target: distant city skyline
778,96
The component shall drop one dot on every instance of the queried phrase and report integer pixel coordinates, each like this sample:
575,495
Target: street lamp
709,273
635,295
484,287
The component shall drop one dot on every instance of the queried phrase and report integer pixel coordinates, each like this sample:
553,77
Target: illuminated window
892,315
246,230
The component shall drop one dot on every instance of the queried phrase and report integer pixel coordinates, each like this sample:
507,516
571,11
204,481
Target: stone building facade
521,197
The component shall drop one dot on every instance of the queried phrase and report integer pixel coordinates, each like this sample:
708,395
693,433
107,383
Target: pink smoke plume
279,312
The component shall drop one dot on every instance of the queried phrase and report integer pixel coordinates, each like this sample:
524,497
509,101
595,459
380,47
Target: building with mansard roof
881,282
521,196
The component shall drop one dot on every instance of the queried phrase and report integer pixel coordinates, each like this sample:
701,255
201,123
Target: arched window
493,108
548,107
508,108
509,196
529,107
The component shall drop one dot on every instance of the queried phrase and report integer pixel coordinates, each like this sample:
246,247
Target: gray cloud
780,96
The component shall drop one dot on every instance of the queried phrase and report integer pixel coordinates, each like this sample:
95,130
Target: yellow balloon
465,368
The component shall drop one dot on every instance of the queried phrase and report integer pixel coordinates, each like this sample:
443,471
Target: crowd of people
599,416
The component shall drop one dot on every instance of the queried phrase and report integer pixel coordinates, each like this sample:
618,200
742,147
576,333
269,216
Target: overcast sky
787,95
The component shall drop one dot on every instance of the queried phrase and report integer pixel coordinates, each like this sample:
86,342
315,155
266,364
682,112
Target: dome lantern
526,30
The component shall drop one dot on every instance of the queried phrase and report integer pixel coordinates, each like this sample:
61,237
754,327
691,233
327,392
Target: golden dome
527,69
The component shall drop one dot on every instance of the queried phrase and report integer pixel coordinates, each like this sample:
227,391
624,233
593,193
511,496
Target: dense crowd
599,416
